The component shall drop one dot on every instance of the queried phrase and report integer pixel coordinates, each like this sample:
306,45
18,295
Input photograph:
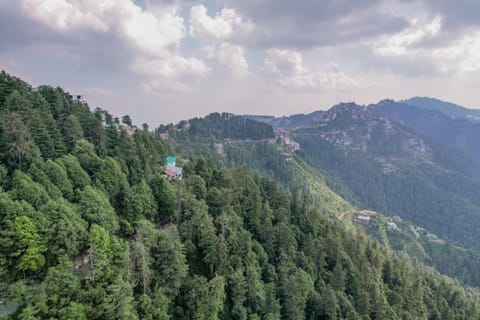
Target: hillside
374,159
449,109
392,169
294,171
92,230
460,134
288,122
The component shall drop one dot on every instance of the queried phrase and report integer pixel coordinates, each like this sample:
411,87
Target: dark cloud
17,30
312,23
460,18
86,47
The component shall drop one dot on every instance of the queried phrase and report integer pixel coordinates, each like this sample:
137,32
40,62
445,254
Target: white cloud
223,26
149,38
289,71
219,34
64,14
171,73
153,33
203,26
400,43
287,66
233,58
460,55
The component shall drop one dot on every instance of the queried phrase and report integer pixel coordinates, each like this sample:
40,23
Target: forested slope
91,230
314,186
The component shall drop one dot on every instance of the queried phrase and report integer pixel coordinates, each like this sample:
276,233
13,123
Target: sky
162,61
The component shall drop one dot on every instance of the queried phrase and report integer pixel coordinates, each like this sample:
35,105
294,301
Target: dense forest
92,230
316,185
435,188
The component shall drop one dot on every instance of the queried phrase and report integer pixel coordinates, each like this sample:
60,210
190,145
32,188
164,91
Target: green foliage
165,197
110,178
84,151
72,130
22,247
66,231
76,174
95,208
224,126
104,250
138,201
3,175
153,309
17,147
58,176
24,188
202,299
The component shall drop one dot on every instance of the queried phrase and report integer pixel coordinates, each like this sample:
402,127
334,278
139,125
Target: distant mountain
289,122
378,159
460,134
354,128
449,109
390,167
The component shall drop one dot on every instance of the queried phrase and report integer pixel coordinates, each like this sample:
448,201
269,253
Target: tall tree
22,247
18,144
127,120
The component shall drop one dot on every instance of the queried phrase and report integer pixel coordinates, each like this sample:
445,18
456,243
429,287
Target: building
368,212
172,172
164,136
392,226
219,148
361,219
287,157
171,161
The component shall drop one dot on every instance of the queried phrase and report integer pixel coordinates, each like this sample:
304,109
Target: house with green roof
171,161
172,172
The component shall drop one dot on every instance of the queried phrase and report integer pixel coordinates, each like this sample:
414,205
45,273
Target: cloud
224,25
422,46
458,14
113,32
463,56
286,23
233,58
401,43
171,73
287,68
219,34
203,26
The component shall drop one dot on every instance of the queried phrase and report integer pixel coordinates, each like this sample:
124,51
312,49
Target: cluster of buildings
119,126
364,216
420,232
287,156
282,137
